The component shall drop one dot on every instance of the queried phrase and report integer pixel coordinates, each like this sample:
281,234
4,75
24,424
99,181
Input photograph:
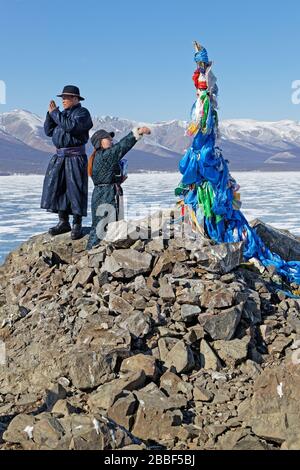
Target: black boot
63,225
77,228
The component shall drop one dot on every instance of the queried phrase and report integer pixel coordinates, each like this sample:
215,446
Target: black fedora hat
71,90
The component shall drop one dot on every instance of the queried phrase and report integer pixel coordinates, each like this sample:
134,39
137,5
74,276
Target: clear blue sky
135,58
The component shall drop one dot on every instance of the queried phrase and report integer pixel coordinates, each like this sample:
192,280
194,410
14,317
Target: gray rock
163,265
220,258
228,440
223,297
123,233
110,265
123,411
156,416
180,357
96,257
103,337
294,321
90,432
87,370
250,443
48,432
252,306
109,392
127,263
139,283
153,225
20,429
292,443
273,411
194,334
189,311
224,324
281,242
181,270
209,360
190,295
27,399
166,292
155,313
173,385
56,393
71,272
140,362
232,352
251,369
279,345
201,394
82,278
119,305
137,323
165,345
155,245
63,408
221,397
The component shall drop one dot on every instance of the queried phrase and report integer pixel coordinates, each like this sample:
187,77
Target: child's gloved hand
144,130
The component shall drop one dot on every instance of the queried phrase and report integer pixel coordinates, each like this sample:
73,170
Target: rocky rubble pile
146,343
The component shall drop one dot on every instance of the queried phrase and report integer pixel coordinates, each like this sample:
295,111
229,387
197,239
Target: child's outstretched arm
107,158
121,148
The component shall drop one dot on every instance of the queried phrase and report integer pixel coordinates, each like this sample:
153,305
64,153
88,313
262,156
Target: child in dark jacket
104,167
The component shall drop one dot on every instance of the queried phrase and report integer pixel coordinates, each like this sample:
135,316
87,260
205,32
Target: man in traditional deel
65,188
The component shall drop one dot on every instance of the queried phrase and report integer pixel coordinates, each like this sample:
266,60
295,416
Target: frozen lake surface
272,197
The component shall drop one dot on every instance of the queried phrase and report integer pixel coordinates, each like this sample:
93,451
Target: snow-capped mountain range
247,144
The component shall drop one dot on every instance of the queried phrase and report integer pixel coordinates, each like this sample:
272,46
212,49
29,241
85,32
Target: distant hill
18,157
248,145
